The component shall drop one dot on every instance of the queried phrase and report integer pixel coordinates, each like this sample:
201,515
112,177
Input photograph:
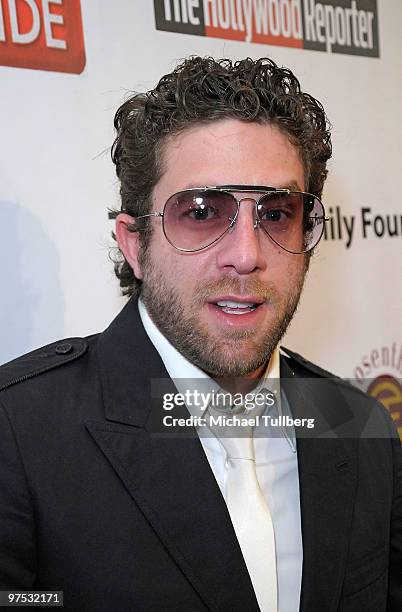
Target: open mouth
236,308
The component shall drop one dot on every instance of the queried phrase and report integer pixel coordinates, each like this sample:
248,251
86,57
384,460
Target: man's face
181,290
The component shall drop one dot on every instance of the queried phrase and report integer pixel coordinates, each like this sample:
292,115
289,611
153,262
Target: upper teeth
229,304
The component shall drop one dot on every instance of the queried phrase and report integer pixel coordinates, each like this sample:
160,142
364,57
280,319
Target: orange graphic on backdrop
42,34
388,391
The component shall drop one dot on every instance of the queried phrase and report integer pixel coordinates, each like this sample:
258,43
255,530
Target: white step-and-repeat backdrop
65,67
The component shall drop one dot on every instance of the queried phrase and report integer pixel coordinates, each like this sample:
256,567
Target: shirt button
63,349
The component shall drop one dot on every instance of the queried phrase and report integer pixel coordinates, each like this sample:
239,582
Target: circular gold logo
388,390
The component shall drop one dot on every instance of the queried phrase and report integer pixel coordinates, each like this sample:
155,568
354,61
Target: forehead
229,152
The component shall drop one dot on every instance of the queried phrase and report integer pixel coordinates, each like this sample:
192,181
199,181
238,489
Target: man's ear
129,242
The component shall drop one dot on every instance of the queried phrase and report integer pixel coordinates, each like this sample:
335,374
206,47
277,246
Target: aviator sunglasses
194,219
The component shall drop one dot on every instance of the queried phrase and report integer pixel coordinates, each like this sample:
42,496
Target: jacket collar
128,362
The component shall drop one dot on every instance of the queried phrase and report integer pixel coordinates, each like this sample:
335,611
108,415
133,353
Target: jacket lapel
327,479
169,478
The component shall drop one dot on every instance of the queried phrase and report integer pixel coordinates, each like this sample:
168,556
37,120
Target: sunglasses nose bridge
246,199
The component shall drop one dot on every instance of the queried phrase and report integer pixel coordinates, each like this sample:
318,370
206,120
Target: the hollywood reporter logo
42,34
337,26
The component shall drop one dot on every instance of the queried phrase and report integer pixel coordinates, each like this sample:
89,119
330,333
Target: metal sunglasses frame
231,189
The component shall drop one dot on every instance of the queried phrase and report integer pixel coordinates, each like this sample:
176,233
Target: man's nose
241,248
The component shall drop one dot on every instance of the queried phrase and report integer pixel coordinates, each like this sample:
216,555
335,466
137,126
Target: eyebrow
292,186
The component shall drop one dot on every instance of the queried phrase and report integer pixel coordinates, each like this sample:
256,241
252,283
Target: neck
243,384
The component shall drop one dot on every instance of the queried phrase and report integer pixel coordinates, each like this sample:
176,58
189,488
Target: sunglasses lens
195,218
295,221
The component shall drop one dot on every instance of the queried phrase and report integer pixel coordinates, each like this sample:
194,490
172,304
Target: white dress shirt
276,464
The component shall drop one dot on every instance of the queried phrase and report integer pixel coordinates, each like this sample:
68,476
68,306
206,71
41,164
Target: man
221,168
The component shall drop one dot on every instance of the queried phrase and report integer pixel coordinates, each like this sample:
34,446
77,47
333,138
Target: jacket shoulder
311,368
42,360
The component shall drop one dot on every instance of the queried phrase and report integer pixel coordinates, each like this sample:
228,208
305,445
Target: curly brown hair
201,90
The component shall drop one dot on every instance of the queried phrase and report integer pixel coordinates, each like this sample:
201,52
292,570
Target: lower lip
238,320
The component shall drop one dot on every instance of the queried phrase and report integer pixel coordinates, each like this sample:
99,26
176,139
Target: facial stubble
234,352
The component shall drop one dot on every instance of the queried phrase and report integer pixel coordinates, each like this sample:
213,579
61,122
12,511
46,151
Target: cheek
285,270
180,270
160,253
190,271
282,263
295,271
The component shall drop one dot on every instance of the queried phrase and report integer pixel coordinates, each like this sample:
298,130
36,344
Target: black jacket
121,520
